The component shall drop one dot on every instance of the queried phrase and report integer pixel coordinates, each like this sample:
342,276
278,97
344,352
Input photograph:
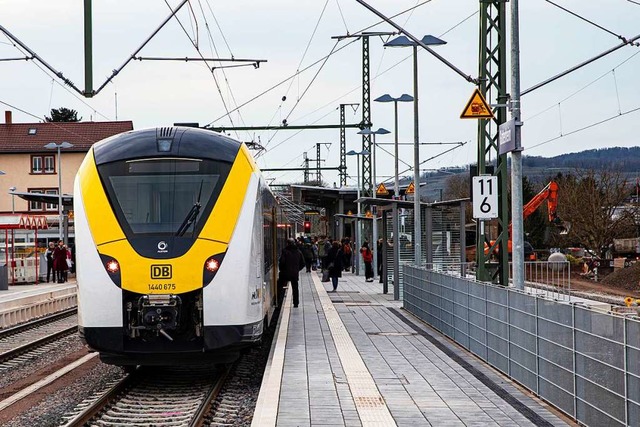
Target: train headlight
112,266
211,267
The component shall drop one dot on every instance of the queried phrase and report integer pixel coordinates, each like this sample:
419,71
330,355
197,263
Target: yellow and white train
177,237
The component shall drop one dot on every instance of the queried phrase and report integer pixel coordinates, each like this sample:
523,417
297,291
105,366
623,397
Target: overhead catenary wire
332,102
261,94
66,88
586,20
584,128
305,90
582,88
342,16
212,45
215,79
55,124
219,29
304,54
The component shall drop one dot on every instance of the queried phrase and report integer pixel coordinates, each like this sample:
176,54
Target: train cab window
163,196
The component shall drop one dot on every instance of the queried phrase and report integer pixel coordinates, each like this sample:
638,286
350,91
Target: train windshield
163,196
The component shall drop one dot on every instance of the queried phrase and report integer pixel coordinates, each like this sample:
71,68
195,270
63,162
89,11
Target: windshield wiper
191,215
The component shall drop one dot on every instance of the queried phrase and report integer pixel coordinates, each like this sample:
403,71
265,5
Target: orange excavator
550,194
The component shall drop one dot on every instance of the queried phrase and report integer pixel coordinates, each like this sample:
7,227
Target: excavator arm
550,194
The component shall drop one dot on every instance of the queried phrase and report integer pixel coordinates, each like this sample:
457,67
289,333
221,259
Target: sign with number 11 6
485,197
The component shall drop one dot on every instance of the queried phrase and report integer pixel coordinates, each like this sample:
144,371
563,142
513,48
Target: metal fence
583,361
442,238
550,278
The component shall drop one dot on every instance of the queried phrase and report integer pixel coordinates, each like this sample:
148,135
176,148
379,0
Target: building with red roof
30,167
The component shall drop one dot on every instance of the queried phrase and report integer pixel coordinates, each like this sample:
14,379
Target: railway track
23,342
154,397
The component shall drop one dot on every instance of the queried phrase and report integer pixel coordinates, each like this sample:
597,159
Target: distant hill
621,158
539,169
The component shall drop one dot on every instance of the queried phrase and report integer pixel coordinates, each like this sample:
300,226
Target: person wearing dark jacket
334,263
290,263
307,253
60,262
49,256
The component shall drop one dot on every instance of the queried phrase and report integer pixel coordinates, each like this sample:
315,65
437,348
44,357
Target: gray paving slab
419,383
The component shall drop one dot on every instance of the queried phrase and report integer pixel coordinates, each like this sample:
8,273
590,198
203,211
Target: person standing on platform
334,263
346,253
49,255
367,257
327,247
290,263
60,261
314,248
307,253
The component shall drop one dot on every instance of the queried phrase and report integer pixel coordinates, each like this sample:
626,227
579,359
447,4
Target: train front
168,231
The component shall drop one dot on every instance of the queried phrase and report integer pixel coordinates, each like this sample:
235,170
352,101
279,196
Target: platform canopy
52,199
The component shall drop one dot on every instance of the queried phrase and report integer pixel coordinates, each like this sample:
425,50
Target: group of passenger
332,257
59,261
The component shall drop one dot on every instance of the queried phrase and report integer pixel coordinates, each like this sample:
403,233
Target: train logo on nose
161,271
162,246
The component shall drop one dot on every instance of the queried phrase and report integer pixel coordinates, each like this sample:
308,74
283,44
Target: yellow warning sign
477,107
410,189
382,190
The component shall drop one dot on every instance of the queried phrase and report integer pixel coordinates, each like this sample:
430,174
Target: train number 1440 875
162,286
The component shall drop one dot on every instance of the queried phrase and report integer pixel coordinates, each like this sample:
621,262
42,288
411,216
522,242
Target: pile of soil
624,278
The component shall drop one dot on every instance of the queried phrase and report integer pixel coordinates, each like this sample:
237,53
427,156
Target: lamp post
13,199
54,146
374,228
403,41
388,98
358,154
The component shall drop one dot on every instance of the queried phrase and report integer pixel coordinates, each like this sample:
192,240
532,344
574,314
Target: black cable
582,88
587,20
585,127
224,103
313,64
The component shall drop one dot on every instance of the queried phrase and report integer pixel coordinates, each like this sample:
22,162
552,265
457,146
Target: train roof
166,142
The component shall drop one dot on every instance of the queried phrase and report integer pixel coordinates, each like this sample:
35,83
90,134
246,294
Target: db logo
162,271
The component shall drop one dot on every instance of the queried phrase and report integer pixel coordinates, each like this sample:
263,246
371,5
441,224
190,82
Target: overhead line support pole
517,233
343,148
318,174
367,184
493,83
88,50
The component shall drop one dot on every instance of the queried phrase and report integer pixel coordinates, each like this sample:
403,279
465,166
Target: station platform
356,358
21,303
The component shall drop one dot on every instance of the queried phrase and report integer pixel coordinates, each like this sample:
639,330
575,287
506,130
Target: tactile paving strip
372,409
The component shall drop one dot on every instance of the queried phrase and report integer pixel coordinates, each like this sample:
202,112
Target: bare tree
457,187
594,203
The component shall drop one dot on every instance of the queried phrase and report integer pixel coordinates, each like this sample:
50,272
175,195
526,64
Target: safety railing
581,360
551,278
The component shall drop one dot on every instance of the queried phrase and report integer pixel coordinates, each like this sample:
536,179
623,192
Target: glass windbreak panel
163,196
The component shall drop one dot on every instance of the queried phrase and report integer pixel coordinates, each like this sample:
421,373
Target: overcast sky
160,93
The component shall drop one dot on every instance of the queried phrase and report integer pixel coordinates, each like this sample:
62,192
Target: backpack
346,249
